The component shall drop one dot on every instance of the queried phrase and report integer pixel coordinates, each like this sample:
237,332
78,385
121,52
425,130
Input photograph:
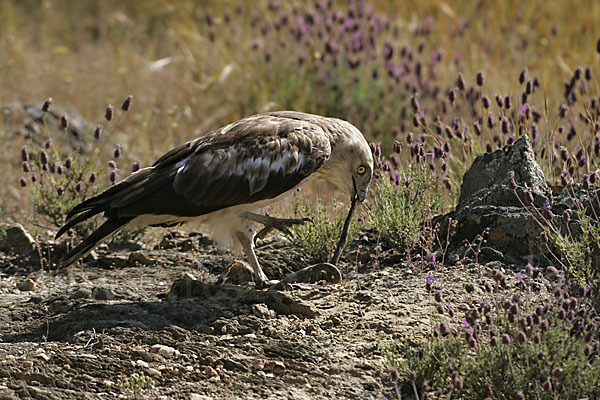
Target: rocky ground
176,320
163,324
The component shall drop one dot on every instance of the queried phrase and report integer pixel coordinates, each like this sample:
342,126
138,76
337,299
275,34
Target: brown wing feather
254,159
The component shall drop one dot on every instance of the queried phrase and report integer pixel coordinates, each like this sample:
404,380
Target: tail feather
108,227
74,221
102,201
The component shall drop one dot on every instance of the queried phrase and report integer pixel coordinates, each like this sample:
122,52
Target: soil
169,324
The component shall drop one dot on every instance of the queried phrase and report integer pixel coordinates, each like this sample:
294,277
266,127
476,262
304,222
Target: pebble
81,293
9,358
17,240
26,286
115,260
211,372
99,293
195,396
165,351
139,257
258,364
238,272
188,276
210,359
275,366
42,356
262,311
153,372
28,364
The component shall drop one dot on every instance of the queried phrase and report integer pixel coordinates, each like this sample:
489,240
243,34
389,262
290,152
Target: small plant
61,179
513,345
579,251
402,201
136,384
318,239
575,251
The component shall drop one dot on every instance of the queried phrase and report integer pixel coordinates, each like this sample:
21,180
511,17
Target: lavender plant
403,199
514,344
59,179
572,239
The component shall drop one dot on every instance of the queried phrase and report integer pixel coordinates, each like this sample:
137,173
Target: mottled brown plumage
227,176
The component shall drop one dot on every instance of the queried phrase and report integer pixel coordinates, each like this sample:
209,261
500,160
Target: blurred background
398,70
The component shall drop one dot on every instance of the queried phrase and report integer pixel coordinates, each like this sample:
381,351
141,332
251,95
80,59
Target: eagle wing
252,160
256,158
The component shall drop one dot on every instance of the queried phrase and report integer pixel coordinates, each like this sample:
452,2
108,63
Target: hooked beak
359,195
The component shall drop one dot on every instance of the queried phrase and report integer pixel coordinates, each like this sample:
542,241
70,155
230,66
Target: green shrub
317,240
399,209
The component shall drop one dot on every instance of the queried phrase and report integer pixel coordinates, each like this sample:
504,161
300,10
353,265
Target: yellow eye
361,170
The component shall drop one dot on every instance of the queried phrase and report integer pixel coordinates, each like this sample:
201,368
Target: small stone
189,276
139,257
153,372
28,364
262,311
91,257
81,293
210,359
42,356
165,351
17,240
114,260
238,272
195,396
275,366
258,364
142,363
99,293
211,372
26,286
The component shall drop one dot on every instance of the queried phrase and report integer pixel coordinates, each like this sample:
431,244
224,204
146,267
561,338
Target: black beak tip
361,196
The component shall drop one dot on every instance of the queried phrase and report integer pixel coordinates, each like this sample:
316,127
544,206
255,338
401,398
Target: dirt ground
162,324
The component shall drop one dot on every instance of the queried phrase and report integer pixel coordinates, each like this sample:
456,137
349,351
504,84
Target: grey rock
17,240
27,285
81,293
139,257
486,181
37,124
262,311
489,207
99,293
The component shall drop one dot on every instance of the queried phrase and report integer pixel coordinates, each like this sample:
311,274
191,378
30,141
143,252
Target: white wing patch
180,165
257,170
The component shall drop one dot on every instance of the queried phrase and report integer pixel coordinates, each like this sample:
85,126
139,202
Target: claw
271,223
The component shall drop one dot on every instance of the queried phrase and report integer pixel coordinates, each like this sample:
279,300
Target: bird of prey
226,177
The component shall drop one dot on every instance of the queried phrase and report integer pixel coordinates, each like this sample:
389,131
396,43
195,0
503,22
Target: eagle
226,177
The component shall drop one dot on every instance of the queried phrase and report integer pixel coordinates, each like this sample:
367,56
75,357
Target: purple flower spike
430,279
